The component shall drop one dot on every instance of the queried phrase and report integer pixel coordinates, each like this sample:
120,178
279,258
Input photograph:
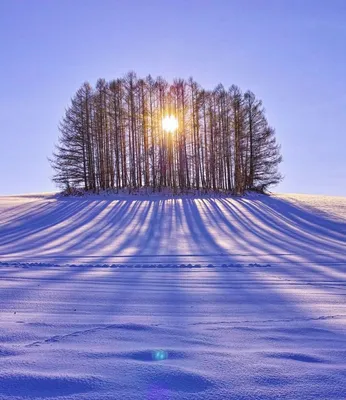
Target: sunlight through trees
133,133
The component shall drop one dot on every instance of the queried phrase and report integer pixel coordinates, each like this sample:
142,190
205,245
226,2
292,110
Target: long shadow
129,233
41,218
152,228
49,225
273,229
309,231
306,218
20,213
229,226
115,218
221,295
137,229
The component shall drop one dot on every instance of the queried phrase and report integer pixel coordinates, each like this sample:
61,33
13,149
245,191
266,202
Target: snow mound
187,232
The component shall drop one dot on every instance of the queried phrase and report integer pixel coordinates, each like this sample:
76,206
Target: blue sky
290,53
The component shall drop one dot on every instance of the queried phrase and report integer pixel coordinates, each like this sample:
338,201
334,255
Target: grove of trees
111,137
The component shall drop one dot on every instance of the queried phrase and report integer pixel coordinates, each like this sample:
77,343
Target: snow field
243,297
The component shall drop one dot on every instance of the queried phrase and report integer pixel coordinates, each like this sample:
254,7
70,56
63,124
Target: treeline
112,137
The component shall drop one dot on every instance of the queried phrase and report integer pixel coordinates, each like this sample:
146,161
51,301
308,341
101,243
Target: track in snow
229,333
245,298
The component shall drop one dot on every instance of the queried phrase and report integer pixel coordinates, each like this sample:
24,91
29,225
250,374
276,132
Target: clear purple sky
290,53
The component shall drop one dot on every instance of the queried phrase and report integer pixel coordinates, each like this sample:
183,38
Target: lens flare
159,355
169,123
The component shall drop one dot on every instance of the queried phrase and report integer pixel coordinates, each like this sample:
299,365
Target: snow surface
242,298
187,230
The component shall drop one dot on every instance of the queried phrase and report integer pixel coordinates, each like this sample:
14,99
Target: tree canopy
114,136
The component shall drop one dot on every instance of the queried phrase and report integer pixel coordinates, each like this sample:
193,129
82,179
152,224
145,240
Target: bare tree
111,137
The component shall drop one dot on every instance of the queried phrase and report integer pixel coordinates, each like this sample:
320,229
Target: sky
290,53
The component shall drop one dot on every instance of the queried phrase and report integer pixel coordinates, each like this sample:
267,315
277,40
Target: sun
169,123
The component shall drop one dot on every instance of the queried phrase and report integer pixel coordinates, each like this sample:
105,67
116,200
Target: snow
182,230
172,298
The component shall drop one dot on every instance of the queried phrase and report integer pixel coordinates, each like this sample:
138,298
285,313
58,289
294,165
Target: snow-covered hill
154,230
186,298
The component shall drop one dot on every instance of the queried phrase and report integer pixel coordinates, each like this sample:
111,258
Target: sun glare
170,123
